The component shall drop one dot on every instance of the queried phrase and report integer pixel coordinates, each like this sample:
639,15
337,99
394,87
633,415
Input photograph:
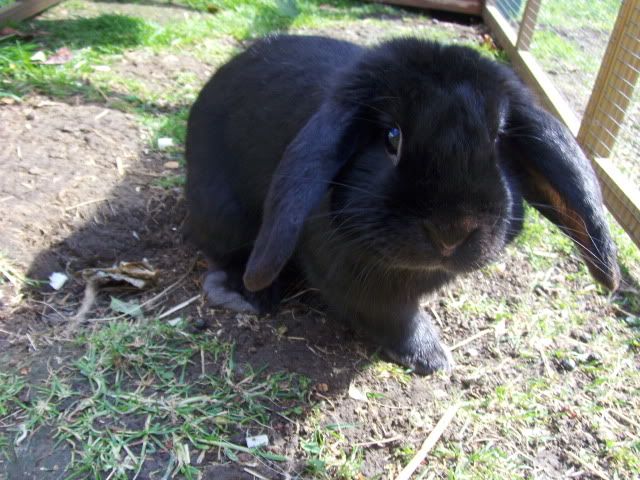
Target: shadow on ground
86,194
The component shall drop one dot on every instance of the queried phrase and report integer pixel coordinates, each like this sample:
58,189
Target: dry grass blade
429,443
255,474
590,468
470,339
180,306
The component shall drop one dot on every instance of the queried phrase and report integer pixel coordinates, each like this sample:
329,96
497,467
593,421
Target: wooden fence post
614,85
528,24
605,113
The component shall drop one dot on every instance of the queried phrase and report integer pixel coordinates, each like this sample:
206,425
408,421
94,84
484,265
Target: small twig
120,166
623,418
101,115
429,443
255,474
60,314
90,294
147,424
150,303
378,442
622,310
180,306
167,473
33,345
296,295
547,368
435,315
84,204
470,339
593,470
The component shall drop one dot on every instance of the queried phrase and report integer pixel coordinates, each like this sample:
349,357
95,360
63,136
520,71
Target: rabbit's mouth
472,253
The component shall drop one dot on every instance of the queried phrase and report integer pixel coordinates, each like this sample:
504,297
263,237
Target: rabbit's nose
448,237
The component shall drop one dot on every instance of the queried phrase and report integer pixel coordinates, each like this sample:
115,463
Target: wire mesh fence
589,52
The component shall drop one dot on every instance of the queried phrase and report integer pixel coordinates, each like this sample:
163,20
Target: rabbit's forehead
450,136
449,123
426,109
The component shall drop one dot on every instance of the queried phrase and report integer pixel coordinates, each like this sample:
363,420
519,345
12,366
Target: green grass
10,388
137,394
329,454
579,14
573,34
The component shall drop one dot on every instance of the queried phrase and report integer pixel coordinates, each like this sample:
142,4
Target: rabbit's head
428,152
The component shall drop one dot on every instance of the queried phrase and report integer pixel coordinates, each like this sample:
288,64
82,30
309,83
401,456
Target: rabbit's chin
451,265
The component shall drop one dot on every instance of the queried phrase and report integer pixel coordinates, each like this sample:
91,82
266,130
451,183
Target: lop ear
310,162
558,180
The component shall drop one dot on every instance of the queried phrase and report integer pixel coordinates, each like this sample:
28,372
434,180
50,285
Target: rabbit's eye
393,141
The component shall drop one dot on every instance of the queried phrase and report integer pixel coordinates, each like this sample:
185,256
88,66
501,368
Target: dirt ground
80,188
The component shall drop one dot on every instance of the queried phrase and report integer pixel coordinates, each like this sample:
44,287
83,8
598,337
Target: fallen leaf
356,393
322,387
172,165
62,55
38,57
138,274
132,308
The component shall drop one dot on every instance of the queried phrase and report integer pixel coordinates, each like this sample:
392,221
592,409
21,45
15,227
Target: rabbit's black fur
287,165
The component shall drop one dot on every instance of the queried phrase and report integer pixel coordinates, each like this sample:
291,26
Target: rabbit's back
255,105
240,125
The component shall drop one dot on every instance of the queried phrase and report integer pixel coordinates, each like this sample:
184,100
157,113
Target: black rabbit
380,173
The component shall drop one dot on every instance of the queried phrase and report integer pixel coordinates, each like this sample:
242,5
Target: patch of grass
107,33
541,240
93,39
169,182
144,391
628,251
172,125
573,34
491,463
10,388
579,13
551,48
386,370
557,51
12,275
329,454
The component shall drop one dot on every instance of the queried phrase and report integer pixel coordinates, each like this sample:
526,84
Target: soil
78,189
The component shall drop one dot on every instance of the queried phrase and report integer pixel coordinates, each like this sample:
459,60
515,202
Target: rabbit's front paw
219,294
422,352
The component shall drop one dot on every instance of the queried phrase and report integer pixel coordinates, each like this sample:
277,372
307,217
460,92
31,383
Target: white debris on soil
257,441
57,280
165,142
